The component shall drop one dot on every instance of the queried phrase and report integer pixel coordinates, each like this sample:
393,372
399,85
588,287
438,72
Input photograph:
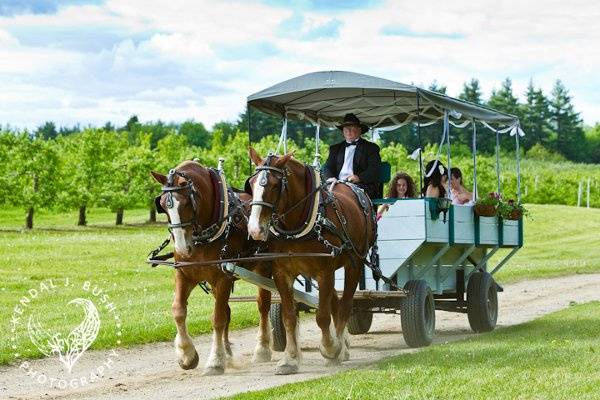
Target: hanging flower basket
487,206
485,210
511,210
514,215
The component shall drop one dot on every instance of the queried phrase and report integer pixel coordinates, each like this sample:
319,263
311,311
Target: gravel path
151,371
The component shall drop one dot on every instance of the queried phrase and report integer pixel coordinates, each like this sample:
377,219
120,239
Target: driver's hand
353,178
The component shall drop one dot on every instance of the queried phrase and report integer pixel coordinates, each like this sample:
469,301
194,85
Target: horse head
183,203
270,186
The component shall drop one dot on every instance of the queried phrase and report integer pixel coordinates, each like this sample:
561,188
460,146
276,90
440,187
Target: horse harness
316,221
220,212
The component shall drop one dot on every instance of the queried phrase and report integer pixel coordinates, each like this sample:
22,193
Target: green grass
111,258
559,240
554,357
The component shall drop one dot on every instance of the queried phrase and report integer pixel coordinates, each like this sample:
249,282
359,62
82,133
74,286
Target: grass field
554,357
107,256
559,240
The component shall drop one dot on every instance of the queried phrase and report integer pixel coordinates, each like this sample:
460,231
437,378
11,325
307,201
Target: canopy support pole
317,160
420,144
474,160
497,160
447,130
283,137
249,132
518,166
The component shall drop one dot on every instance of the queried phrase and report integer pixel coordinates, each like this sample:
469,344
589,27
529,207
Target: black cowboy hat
350,120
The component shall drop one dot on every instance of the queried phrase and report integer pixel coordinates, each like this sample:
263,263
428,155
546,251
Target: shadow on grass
86,228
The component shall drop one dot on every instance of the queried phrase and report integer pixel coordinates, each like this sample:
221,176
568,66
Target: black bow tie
346,144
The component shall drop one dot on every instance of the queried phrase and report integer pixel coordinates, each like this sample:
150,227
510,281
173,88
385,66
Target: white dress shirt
346,170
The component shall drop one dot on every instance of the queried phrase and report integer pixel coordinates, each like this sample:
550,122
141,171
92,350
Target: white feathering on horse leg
184,348
215,364
262,351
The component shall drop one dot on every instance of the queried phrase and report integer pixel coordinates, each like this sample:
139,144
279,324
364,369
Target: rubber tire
277,327
359,322
417,312
482,302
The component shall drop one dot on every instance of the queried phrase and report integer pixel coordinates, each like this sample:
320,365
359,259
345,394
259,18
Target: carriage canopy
325,97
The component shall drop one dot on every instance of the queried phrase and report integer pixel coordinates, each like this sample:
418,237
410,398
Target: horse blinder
158,206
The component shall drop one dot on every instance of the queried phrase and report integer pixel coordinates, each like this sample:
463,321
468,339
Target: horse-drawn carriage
437,252
424,254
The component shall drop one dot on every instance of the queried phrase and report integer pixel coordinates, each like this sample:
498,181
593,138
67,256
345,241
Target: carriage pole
498,160
518,165
317,161
474,160
249,137
447,129
420,144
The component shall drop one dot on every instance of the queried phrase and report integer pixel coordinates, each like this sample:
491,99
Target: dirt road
151,371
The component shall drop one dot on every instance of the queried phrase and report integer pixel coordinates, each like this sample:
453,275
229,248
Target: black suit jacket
365,165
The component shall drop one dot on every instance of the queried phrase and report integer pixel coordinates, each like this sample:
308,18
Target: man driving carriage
355,159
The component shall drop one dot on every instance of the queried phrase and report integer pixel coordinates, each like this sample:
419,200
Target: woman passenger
460,195
401,187
433,183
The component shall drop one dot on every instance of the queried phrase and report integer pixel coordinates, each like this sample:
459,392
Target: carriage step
268,284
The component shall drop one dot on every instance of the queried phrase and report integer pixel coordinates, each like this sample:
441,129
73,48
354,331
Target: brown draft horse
190,196
278,188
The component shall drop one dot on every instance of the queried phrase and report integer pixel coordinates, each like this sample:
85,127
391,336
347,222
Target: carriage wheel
482,302
277,327
359,322
417,312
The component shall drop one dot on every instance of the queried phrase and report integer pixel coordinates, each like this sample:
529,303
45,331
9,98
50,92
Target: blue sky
92,61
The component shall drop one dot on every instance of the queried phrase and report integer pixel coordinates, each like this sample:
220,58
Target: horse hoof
261,355
286,369
193,364
345,356
212,371
328,355
332,362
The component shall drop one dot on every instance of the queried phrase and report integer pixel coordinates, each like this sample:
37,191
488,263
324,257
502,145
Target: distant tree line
79,168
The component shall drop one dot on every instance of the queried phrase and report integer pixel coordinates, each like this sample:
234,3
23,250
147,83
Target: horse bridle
282,183
170,188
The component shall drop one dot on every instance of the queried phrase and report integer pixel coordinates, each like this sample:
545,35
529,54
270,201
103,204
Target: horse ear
283,160
254,156
160,178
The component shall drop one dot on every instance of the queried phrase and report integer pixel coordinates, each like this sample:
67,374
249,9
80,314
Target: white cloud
182,59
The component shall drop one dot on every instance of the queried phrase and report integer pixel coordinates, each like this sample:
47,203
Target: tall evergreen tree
503,100
536,116
47,131
471,92
438,87
570,139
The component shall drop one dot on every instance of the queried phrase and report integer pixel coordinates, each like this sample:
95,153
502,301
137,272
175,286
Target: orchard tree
88,166
33,165
196,133
142,186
